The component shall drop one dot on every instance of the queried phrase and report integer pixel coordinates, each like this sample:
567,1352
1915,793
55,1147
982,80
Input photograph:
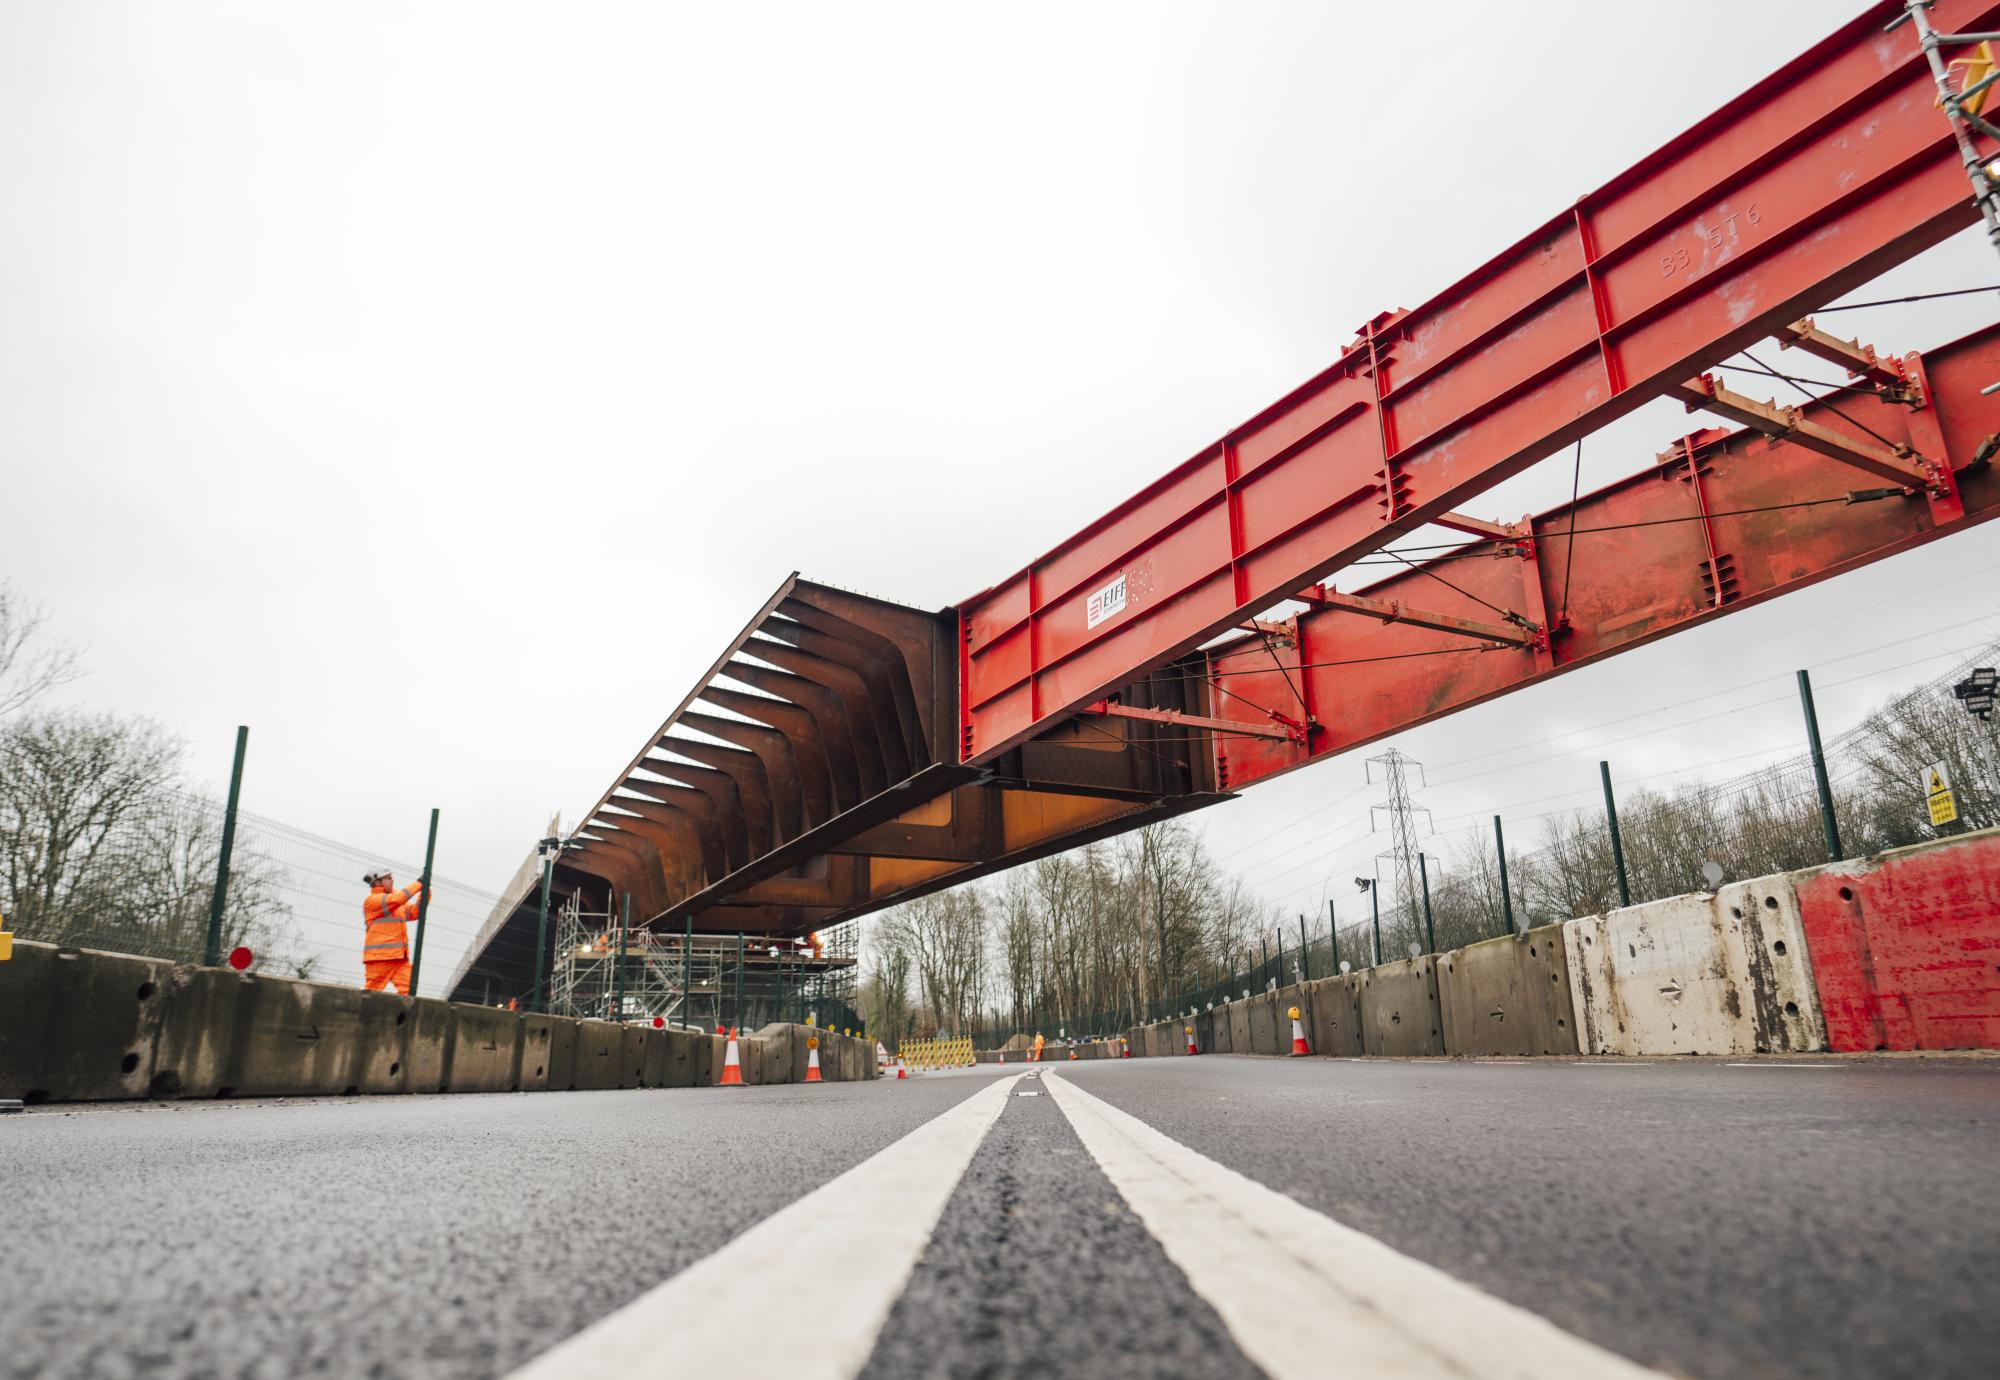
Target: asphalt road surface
1219,1216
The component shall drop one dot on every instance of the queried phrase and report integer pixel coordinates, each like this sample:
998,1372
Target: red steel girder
1724,521
1820,177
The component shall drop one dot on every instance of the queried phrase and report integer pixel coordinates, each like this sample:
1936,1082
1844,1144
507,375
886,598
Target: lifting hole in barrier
395,1069
1847,893
1791,1008
1770,903
1778,947
146,990
130,1063
402,1016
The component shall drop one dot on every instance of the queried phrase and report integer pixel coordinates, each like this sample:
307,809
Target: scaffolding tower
603,970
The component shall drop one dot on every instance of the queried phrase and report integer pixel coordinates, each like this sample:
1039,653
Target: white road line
1785,1066
1305,1296
740,1311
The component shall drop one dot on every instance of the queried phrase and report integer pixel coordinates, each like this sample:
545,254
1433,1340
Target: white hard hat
377,875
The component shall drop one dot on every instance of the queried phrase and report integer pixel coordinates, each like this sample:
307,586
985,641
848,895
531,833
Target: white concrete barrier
1699,974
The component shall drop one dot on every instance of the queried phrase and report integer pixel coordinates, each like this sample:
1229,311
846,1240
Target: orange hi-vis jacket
386,912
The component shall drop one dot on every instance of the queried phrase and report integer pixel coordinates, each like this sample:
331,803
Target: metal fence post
1333,936
1424,876
1617,841
211,952
687,973
618,970
1305,952
1833,853
737,1023
423,905
1375,909
1506,898
536,999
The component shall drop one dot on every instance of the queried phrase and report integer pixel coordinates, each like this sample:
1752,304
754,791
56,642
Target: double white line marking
1300,1293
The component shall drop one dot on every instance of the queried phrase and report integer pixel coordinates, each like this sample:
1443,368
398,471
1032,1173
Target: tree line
104,843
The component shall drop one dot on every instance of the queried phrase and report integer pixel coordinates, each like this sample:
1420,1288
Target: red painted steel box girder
1831,170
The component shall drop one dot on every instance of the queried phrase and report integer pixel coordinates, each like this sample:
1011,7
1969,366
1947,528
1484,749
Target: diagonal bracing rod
1521,634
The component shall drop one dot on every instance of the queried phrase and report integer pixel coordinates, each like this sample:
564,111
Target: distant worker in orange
385,953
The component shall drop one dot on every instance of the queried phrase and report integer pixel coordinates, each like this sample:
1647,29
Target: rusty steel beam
1704,394
1860,361
1289,729
1519,633
1478,527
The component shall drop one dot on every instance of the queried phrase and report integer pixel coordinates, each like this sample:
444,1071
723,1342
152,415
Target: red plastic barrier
1906,947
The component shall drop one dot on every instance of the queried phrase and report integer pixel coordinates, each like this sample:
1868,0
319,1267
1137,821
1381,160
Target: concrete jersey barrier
82,1025
1905,947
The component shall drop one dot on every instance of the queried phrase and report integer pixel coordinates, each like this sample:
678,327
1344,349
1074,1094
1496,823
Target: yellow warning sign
1938,796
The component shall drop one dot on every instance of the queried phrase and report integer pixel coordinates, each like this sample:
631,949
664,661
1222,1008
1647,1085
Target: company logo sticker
1108,602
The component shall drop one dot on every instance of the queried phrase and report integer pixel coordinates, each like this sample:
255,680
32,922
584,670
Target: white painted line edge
1303,1295
1784,1066
731,1313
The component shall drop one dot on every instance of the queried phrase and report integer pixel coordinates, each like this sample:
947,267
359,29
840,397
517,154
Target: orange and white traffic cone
732,1067
902,1069
1003,1056
1191,1044
1299,1045
1072,1053
1124,1048
812,1060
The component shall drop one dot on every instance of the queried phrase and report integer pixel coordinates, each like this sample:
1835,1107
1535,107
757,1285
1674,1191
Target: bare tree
101,847
30,665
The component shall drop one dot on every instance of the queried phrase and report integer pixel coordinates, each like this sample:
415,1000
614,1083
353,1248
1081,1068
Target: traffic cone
1003,1056
902,1069
732,1068
1299,1045
1124,1048
812,1060
1191,1045
1072,1053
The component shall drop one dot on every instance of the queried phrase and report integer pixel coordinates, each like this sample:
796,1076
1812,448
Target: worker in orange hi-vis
385,953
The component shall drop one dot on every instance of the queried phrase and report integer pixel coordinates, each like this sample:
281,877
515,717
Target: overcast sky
436,388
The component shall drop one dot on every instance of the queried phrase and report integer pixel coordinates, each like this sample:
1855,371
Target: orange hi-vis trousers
381,976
